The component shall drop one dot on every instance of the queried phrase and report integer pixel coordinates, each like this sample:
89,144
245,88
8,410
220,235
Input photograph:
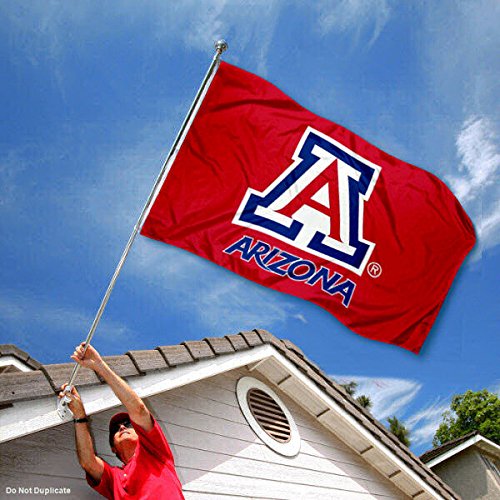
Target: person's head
122,436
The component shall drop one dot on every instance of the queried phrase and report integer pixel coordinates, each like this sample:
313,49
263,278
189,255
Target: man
148,470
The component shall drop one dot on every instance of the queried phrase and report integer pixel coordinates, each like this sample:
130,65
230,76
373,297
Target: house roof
439,450
451,448
47,379
13,352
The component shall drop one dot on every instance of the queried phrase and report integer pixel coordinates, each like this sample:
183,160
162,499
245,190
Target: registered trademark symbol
374,269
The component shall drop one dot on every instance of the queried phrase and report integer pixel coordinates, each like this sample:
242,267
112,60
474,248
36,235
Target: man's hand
136,408
75,405
92,359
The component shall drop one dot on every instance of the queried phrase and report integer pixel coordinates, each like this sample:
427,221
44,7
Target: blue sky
92,94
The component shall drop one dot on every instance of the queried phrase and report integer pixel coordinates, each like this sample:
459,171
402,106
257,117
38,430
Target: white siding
217,454
44,459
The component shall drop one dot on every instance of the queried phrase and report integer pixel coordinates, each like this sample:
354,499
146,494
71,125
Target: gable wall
217,454
469,476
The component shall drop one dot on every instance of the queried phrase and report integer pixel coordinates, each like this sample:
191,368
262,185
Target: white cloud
222,302
231,305
25,315
393,396
476,181
353,16
480,159
247,26
300,317
12,166
461,59
488,227
424,423
52,30
495,388
389,396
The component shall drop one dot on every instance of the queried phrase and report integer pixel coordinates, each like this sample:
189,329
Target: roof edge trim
27,417
359,427
461,447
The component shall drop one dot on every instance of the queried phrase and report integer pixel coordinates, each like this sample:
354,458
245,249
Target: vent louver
269,415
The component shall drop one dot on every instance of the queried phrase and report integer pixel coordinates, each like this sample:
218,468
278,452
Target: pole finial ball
220,46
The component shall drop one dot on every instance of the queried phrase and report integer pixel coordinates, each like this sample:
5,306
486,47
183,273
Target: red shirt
150,473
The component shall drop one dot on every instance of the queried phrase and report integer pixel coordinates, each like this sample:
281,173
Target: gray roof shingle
238,342
148,360
175,354
220,345
19,386
199,349
59,374
122,365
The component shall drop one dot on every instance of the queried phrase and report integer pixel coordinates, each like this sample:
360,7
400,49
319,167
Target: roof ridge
439,450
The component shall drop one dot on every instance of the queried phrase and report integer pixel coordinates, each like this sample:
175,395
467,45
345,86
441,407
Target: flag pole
220,47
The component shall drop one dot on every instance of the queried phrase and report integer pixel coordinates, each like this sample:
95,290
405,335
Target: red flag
297,203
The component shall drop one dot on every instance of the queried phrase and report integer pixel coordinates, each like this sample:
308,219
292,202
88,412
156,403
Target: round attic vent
269,415
269,418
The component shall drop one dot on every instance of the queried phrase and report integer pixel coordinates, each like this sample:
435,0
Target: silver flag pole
220,47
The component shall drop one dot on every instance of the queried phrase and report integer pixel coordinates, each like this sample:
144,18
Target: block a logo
317,203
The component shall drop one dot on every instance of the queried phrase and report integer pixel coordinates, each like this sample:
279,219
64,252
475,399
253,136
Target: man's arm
90,462
136,408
